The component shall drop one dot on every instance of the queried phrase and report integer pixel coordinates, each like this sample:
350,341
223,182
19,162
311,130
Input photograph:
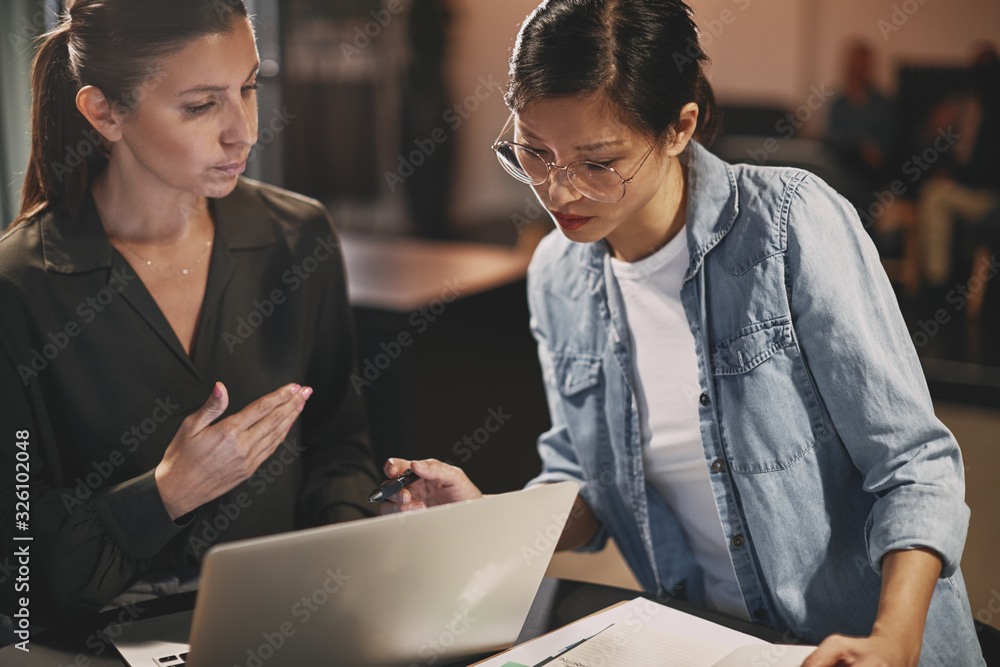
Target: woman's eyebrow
216,89
598,146
582,149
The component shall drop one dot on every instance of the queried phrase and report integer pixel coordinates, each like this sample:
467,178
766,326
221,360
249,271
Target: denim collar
76,246
713,204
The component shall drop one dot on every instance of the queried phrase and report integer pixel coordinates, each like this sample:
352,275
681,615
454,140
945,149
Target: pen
390,489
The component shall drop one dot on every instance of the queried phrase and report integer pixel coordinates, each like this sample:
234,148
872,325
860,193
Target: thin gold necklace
208,244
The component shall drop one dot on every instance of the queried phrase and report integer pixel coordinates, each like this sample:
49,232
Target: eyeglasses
591,179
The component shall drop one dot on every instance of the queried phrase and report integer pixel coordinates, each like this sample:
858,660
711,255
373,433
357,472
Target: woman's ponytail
60,151
112,45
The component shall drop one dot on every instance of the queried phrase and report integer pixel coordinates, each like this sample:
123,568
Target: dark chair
989,642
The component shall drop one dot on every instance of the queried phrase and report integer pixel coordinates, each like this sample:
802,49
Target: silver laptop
418,588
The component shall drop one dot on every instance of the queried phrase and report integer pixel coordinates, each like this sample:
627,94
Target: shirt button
718,465
704,399
738,541
760,614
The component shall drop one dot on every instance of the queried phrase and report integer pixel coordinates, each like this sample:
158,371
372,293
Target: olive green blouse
94,380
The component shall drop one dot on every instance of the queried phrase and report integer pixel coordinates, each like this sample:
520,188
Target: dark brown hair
113,45
643,56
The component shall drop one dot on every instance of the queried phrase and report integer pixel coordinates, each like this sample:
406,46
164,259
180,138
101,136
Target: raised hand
205,460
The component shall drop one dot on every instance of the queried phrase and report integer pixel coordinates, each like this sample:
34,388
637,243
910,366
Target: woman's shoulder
21,253
258,213
284,206
282,201
787,194
555,255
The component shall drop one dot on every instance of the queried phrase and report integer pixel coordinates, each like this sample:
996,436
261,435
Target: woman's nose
560,190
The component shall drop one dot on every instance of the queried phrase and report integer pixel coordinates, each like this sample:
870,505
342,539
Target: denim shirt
819,433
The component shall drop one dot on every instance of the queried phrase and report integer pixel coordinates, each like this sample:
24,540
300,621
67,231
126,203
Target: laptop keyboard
178,660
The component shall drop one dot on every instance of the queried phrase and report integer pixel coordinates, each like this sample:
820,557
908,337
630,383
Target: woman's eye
200,109
251,87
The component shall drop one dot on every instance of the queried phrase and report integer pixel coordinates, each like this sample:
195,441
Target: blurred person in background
860,129
968,184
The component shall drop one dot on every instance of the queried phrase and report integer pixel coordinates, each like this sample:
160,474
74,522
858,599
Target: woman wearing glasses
728,376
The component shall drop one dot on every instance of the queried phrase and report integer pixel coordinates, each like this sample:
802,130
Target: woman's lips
570,222
234,168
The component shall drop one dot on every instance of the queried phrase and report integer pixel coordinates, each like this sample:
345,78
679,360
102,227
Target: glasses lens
523,164
597,182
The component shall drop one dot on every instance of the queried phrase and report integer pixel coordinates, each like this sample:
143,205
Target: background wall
773,52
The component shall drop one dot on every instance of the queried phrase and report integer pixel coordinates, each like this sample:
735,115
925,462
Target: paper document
643,632
658,635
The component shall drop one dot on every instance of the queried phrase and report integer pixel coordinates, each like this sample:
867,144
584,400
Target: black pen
389,489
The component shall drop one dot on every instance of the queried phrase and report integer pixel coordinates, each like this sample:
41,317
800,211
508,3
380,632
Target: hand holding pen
392,487
436,483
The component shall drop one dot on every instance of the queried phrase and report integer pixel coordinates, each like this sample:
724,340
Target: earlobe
95,108
687,123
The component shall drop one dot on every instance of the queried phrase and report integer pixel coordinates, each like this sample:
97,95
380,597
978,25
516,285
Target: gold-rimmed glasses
593,180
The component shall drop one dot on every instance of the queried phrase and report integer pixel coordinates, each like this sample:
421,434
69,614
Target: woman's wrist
164,486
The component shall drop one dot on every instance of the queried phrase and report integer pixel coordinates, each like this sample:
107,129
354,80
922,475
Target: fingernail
217,390
307,392
296,388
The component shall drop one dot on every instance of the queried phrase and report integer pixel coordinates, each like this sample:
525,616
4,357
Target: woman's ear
684,129
95,108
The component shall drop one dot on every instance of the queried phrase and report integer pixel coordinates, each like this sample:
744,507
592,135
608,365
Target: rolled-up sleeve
866,369
560,462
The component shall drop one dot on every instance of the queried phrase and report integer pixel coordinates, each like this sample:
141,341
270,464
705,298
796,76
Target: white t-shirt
665,371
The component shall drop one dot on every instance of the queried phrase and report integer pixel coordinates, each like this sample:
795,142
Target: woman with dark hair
728,375
175,341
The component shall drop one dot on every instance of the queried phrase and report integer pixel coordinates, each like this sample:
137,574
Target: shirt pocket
579,380
768,414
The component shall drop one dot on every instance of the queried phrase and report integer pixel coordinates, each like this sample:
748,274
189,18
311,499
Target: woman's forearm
908,580
580,527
